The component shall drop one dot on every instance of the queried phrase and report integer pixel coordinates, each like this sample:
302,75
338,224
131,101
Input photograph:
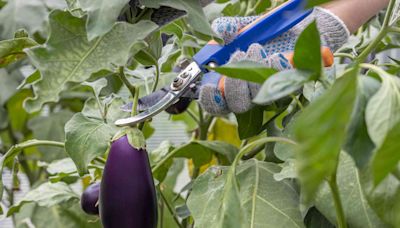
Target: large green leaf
202,151
250,122
12,50
358,143
66,215
86,138
246,70
3,118
356,208
8,85
384,198
101,15
320,131
68,56
264,201
281,85
383,109
196,17
307,53
46,195
111,109
50,128
387,156
29,15
17,114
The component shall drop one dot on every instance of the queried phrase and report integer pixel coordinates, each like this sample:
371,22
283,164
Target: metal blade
180,86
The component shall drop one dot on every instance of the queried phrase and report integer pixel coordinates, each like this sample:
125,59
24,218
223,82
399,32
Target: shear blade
187,78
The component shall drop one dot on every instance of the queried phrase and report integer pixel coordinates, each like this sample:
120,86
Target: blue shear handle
261,31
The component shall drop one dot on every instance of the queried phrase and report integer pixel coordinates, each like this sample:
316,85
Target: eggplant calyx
135,137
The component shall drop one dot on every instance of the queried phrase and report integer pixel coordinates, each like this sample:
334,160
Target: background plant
320,149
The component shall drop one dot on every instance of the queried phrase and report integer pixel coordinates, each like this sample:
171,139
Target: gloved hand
221,95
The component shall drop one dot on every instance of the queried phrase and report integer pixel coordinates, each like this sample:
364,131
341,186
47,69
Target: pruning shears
187,83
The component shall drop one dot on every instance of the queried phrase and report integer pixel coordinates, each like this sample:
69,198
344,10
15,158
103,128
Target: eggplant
89,199
127,193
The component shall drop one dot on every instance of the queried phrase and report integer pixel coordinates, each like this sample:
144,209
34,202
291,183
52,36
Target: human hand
221,95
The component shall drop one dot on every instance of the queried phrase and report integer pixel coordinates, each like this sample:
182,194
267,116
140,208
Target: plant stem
193,116
384,30
395,30
23,161
135,102
14,150
171,210
344,55
248,147
340,217
125,80
157,78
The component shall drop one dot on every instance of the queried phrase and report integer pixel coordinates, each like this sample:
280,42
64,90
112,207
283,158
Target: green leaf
201,152
29,15
196,17
263,201
281,85
46,195
387,156
384,198
86,139
3,118
97,86
317,154
67,214
307,53
101,15
246,70
357,211
17,115
312,3
50,128
12,50
250,122
112,106
35,76
149,55
62,170
383,108
358,143
63,166
314,219
68,56
8,85
157,155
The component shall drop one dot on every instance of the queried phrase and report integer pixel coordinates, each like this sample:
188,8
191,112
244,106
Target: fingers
212,101
228,27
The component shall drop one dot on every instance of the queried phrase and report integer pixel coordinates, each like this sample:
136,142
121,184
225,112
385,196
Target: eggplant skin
127,193
89,199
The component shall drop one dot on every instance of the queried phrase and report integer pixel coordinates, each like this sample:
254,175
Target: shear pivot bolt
177,82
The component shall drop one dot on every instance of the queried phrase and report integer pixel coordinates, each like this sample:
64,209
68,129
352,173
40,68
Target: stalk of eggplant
127,193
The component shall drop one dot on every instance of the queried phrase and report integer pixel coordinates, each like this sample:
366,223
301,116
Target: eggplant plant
322,152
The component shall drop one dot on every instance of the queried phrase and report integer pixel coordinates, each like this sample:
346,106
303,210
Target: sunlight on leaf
320,130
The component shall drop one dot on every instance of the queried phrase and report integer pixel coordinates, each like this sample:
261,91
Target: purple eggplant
127,193
89,199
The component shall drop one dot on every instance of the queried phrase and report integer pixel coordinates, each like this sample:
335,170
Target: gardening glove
221,95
